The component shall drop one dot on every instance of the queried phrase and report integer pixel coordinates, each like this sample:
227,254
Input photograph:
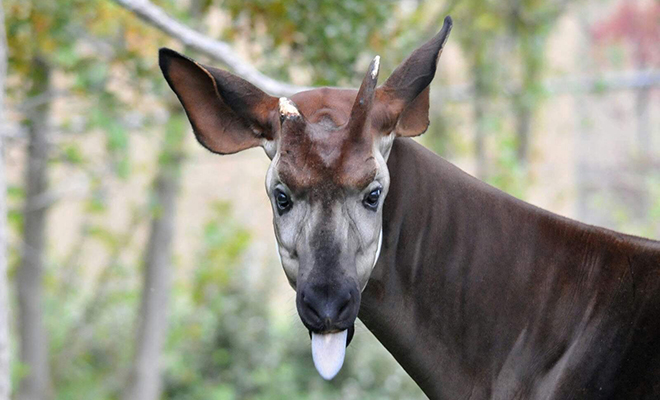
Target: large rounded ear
227,113
404,97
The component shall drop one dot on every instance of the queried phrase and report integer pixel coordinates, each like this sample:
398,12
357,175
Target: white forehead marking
270,147
374,71
277,248
287,108
380,244
384,145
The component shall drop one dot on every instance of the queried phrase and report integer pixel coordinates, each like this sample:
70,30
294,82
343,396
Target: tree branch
221,51
215,49
5,369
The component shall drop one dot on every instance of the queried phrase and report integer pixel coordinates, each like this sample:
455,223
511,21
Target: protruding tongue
328,351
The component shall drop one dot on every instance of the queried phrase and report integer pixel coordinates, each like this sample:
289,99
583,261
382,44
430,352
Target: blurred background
141,266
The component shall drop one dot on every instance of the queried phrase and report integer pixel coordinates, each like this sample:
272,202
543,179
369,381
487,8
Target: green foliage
507,173
616,209
327,36
15,196
94,47
175,133
224,243
96,202
73,154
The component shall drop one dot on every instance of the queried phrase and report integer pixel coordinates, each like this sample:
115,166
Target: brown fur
319,153
477,294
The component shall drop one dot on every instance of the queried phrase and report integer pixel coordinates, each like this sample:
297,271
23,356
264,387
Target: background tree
34,340
5,373
55,40
636,25
144,380
328,36
529,24
480,45
628,38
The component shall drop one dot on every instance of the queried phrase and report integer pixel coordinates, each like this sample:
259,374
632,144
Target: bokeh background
141,266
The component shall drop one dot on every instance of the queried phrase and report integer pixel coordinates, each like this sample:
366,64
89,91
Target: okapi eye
371,200
283,201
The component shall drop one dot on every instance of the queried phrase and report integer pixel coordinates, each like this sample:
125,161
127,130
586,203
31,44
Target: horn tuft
364,101
376,67
288,109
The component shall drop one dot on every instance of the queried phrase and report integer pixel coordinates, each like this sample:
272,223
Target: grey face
329,236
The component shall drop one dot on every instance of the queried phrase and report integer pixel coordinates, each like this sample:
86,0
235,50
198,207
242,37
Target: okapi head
328,175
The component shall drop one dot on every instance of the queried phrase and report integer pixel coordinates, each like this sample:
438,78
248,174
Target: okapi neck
468,273
405,302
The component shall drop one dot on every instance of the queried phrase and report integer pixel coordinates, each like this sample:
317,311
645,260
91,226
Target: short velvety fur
325,151
479,295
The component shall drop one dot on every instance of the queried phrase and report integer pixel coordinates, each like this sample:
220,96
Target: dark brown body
479,295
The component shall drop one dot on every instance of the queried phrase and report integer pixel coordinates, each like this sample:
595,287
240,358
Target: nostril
324,310
310,306
344,305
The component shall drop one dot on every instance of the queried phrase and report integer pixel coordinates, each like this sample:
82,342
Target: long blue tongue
328,351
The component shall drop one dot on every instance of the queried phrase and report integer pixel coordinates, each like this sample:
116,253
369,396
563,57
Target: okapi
478,295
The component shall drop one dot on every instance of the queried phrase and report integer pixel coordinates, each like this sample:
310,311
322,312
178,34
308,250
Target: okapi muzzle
328,176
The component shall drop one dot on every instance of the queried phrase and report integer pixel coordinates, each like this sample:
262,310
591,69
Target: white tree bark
5,381
35,385
215,49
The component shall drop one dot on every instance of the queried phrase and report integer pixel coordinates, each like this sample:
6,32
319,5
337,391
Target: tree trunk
144,382
35,385
526,100
642,97
5,381
480,137
523,129
479,109
644,153
584,128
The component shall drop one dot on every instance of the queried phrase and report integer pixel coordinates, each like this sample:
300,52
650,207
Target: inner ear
404,97
227,113
414,119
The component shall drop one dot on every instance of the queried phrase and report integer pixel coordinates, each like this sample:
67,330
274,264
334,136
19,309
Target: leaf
73,154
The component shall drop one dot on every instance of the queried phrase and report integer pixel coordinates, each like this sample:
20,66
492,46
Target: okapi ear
228,114
406,91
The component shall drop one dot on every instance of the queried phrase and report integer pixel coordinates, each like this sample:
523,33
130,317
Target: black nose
324,308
